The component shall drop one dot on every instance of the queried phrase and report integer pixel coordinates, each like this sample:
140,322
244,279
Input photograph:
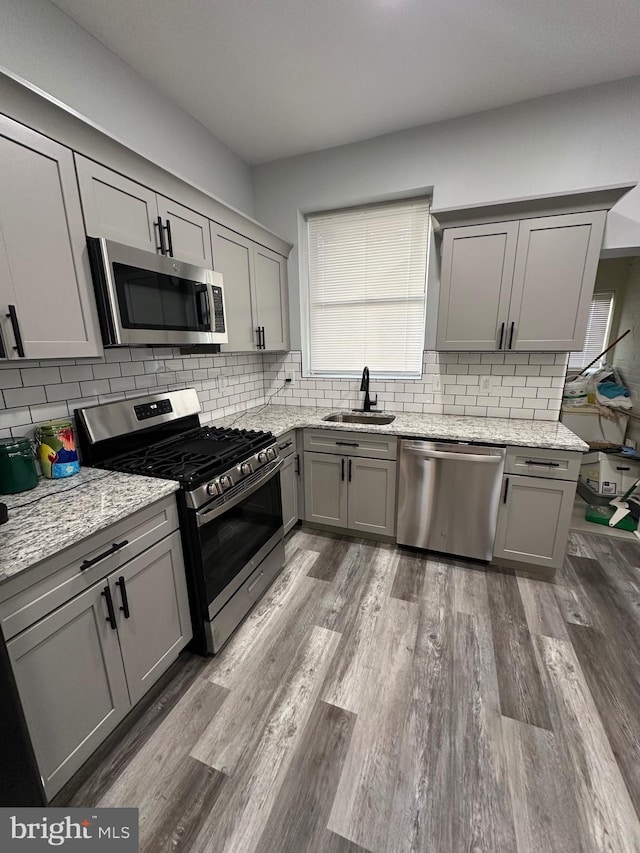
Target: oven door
234,538
149,299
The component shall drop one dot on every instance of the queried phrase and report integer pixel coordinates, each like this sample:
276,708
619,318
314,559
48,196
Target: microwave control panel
152,410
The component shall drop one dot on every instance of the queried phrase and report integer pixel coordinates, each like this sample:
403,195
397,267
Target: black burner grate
192,457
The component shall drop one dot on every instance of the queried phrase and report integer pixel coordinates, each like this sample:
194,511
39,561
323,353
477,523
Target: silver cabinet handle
253,585
462,457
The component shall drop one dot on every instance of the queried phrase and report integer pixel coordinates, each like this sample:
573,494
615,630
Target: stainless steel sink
359,418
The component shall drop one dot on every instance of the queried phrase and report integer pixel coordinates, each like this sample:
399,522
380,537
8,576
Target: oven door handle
205,516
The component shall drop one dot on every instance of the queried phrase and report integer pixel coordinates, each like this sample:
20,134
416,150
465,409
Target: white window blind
598,327
366,290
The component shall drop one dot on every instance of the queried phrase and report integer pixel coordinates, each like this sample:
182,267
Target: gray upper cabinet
272,298
45,280
555,270
519,285
71,681
152,590
477,271
117,208
233,257
188,231
255,292
127,212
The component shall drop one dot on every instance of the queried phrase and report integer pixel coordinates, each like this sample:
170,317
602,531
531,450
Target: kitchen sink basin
359,418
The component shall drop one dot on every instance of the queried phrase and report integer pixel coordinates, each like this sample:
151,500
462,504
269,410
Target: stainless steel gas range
229,499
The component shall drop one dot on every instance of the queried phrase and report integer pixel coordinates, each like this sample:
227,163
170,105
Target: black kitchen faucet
364,386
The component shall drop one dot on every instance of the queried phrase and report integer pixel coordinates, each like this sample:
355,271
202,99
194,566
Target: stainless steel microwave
145,299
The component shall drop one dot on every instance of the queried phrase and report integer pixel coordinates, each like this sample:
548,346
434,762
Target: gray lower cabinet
158,625
71,680
80,669
350,492
533,521
47,307
290,479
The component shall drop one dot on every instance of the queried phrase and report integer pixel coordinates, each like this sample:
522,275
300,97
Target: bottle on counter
18,472
57,449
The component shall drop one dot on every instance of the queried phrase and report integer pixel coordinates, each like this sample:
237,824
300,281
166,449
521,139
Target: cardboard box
609,473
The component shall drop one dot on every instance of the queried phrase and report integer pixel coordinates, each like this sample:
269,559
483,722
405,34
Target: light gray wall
586,138
40,44
613,275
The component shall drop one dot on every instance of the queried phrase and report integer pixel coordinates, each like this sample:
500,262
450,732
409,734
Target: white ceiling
273,78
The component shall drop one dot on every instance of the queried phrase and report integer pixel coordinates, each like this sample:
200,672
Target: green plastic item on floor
602,514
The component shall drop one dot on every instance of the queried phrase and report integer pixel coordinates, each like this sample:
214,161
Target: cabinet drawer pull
348,443
253,585
350,463
111,618
13,316
501,335
506,490
123,594
285,445
342,470
115,547
297,464
513,325
158,224
542,462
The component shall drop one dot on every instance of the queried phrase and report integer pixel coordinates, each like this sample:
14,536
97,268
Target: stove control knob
225,482
263,457
214,489
271,453
246,468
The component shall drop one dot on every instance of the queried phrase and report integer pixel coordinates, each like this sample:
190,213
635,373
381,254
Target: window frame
305,307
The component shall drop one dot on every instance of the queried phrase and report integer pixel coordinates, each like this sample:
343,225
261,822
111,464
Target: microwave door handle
204,307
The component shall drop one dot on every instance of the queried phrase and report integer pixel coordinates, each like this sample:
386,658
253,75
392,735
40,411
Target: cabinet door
44,266
271,297
71,681
233,257
372,495
555,271
117,208
190,237
475,286
289,484
325,488
533,521
158,626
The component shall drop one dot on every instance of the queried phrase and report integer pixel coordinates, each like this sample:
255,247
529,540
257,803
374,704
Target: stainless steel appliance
146,299
229,500
449,496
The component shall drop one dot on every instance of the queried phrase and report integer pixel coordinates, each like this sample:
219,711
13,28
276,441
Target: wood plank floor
381,700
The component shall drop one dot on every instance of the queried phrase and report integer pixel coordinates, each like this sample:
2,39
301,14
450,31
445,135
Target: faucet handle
375,402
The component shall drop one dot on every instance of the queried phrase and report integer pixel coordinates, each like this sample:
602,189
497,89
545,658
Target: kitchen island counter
497,431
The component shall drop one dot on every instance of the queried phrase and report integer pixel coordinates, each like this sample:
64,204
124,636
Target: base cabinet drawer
533,521
546,464
83,667
351,443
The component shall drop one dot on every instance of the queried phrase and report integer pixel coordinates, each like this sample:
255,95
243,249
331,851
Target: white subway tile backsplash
78,373
40,376
10,378
63,391
17,397
107,371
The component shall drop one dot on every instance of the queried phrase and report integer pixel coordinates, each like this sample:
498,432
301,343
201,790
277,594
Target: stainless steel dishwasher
448,497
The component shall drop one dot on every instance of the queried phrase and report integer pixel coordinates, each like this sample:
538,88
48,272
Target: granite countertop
60,513
499,431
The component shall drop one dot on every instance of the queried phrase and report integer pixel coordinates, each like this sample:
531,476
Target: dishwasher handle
493,459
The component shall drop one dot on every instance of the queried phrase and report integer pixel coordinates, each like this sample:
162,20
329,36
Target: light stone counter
60,513
498,431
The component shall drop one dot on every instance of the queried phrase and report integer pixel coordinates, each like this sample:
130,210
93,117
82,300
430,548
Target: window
598,328
367,290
